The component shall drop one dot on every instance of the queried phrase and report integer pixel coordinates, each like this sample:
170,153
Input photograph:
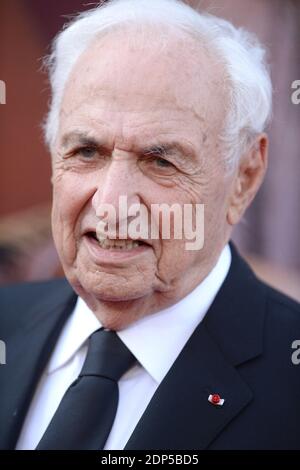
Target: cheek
174,258
71,193
70,196
176,263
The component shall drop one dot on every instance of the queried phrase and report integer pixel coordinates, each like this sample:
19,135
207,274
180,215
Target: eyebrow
163,149
79,138
168,149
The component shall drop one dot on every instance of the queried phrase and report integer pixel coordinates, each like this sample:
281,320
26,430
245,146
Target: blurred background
269,235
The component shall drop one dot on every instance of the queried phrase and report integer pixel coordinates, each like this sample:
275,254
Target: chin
116,296
106,292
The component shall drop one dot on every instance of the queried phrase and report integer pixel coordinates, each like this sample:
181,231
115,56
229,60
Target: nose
118,182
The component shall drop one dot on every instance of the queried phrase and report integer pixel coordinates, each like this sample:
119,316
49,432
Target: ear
248,178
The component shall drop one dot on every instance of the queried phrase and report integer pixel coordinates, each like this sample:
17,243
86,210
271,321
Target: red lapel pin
216,400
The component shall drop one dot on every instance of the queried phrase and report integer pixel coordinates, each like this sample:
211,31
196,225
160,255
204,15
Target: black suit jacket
241,350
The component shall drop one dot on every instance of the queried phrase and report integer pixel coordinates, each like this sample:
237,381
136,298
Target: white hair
243,57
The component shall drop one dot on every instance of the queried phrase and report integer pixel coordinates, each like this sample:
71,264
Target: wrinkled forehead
146,69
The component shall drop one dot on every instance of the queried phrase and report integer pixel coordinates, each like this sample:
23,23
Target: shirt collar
157,339
79,326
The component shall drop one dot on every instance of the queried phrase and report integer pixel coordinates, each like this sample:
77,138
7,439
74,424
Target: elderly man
149,344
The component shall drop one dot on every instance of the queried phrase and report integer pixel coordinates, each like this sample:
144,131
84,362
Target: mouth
116,244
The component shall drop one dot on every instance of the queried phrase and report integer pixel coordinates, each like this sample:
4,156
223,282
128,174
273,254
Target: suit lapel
179,416
27,355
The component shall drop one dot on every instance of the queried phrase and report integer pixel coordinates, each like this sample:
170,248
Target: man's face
124,101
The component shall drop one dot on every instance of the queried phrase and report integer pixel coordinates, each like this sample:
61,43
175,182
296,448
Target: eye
162,166
157,165
86,152
161,162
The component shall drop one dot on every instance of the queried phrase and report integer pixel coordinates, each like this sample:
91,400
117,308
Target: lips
116,243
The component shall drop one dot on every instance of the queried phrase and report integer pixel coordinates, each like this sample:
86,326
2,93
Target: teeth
118,244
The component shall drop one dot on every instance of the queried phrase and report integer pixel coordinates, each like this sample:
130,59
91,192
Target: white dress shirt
156,340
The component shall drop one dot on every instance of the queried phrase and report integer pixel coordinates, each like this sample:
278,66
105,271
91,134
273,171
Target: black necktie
86,412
